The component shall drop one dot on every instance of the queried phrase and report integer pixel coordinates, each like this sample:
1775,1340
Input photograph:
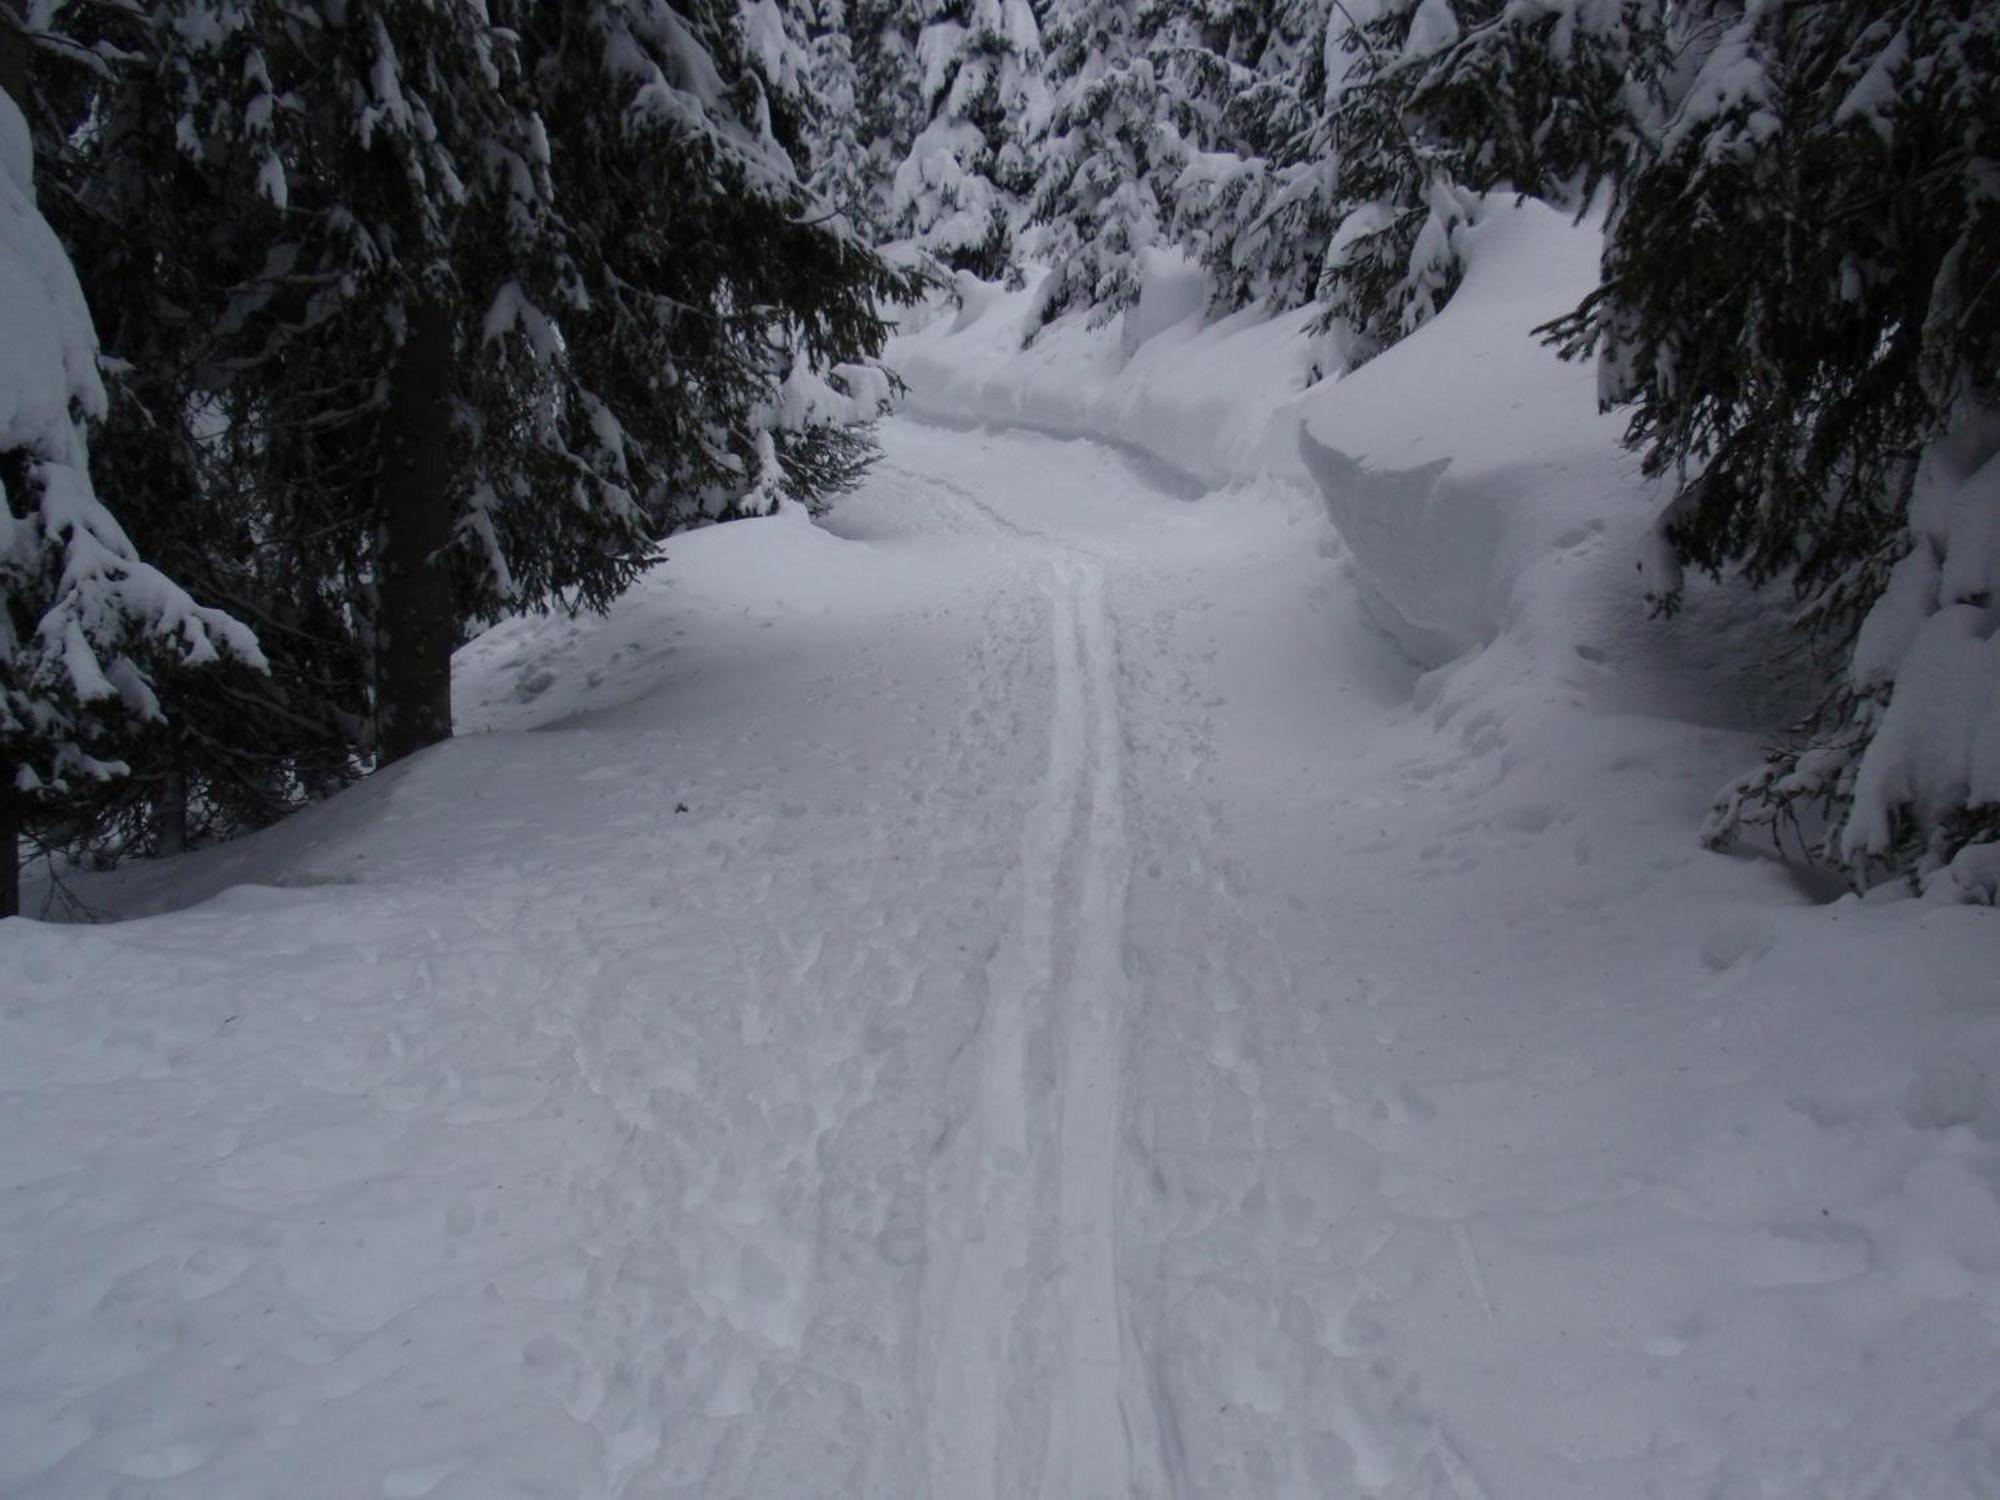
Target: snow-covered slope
1031,991
1214,403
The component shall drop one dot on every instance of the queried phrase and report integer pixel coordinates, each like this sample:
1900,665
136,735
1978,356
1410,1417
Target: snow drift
1484,508
1216,402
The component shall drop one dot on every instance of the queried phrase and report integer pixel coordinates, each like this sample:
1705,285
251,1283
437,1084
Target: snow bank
1459,458
1478,496
1216,402
1450,466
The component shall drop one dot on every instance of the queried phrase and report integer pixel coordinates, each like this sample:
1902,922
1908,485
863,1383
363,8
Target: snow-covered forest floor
1029,988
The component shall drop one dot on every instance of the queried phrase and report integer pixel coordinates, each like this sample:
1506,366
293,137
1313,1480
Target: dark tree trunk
418,625
170,813
10,857
14,80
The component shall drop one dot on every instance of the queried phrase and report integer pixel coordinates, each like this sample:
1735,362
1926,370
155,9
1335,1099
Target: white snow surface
1028,990
1216,402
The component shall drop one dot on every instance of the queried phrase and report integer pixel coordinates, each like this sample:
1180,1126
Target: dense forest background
338,329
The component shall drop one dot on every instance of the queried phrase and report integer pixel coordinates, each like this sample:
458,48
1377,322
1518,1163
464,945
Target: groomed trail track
1003,995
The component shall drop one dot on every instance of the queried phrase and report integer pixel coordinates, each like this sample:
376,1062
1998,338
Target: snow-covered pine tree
820,421
88,630
1548,99
959,190
1314,185
1103,161
1343,173
1798,305
1392,261
493,358
1231,70
838,169
143,222
889,106
1244,88
1446,100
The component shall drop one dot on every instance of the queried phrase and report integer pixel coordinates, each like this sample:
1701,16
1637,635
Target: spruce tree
889,108
841,172
1823,322
959,190
1245,87
89,632
144,219
1103,162
1796,307
465,361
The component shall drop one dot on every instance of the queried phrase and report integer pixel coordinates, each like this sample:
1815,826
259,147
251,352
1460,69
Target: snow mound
1458,459
1482,507
1214,402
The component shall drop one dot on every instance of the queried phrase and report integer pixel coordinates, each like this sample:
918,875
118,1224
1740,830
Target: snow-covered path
1006,995
1061,972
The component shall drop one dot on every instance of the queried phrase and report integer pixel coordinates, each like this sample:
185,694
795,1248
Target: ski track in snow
1062,971
1088,1456
1004,1000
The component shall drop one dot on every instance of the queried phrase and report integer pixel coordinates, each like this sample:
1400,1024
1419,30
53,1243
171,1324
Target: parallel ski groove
1089,1450
976,1350
1063,972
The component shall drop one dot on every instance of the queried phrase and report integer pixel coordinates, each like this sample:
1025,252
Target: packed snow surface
1024,990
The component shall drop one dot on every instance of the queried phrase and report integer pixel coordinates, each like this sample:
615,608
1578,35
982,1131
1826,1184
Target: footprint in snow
1735,943
1533,817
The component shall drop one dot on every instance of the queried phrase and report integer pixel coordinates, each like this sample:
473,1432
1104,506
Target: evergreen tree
462,361
842,174
1246,89
890,108
1797,307
146,226
958,191
1232,70
88,631
1392,262
1798,304
1305,178
1103,162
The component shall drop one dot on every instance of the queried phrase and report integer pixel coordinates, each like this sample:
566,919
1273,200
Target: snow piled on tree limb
80,608
1931,648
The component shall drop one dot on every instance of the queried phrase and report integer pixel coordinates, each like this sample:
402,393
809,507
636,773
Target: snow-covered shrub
1900,771
816,439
